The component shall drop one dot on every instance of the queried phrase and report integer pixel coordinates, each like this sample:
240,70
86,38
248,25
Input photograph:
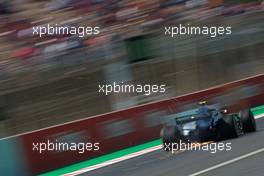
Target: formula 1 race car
207,123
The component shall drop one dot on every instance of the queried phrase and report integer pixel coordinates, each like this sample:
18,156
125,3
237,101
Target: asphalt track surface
160,163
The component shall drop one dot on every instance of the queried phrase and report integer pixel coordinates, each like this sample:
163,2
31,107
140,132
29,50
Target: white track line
148,150
113,161
126,157
228,162
259,116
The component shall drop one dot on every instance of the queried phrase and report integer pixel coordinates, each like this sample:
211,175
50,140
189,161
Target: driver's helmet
202,103
203,108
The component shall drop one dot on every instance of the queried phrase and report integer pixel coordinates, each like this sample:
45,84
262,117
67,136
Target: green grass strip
258,110
102,159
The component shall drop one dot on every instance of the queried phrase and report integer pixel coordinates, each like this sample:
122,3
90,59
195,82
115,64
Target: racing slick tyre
169,135
248,121
230,127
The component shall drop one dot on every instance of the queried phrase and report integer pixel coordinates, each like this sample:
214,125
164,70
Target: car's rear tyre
230,127
170,135
248,121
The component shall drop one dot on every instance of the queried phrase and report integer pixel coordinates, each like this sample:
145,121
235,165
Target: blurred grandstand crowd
113,16
42,79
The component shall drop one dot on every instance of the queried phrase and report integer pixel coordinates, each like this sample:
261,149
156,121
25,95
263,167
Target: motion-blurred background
54,79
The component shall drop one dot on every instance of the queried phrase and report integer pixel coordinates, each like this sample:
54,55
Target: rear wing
187,114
